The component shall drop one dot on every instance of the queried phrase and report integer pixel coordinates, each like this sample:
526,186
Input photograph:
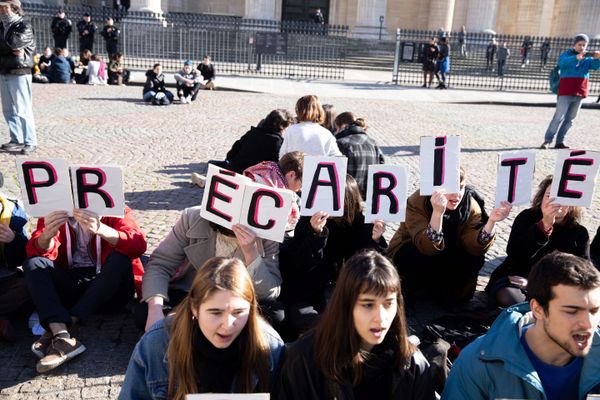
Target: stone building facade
514,17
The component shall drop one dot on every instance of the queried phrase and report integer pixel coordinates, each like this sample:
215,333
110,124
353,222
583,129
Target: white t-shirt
311,138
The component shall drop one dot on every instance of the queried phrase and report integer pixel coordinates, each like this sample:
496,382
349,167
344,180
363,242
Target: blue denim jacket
147,375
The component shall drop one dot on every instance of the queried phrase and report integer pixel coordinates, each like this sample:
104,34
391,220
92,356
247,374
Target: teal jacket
496,365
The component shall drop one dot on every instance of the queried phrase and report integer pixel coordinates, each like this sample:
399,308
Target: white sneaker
183,100
198,180
188,99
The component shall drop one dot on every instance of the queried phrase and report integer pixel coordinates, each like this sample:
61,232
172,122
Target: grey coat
190,243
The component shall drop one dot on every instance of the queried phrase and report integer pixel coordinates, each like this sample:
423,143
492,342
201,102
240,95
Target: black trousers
184,90
448,277
59,293
86,43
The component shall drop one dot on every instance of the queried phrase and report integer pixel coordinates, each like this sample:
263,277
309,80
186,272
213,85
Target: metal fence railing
523,71
237,46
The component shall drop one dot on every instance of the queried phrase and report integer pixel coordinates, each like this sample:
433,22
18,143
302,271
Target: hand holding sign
500,213
247,240
378,230
88,220
551,211
318,221
439,202
52,223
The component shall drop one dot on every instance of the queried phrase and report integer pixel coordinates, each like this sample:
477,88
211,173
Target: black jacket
113,35
61,27
207,71
19,36
154,82
301,379
595,249
83,26
257,145
310,262
527,244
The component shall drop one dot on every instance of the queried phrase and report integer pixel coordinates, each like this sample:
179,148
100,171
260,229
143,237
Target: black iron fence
526,69
293,49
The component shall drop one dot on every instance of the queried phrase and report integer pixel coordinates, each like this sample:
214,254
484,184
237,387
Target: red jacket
132,243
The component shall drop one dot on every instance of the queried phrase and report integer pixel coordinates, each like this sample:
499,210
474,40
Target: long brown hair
216,274
573,216
337,343
352,201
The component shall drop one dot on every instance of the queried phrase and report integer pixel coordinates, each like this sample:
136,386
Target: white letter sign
324,185
515,177
386,193
574,177
440,164
99,189
45,186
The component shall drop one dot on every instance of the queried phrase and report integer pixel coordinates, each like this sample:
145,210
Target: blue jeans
15,91
567,108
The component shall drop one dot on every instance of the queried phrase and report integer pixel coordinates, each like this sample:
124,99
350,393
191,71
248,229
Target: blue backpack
554,79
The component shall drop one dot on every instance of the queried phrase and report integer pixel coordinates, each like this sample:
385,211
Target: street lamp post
381,18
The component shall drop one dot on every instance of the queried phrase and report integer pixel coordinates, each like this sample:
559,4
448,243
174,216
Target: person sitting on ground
117,73
310,260
547,349
215,342
188,83
330,115
14,296
81,69
77,266
60,69
360,349
97,71
440,247
71,60
360,148
46,60
36,73
308,136
193,240
545,227
155,84
207,70
260,143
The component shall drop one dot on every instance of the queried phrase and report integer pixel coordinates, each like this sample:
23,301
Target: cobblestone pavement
158,148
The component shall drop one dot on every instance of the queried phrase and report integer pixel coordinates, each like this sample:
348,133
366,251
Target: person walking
17,45
86,29
575,65
462,41
61,28
502,57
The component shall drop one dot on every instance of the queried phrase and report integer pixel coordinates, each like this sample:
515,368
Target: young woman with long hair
215,341
545,227
360,347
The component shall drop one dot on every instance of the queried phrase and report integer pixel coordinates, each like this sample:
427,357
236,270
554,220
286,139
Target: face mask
8,20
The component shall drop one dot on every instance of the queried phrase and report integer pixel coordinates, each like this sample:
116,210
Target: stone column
367,18
481,14
589,21
441,13
263,9
152,6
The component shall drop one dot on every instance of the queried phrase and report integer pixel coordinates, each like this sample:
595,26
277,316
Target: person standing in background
17,45
61,29
86,29
111,34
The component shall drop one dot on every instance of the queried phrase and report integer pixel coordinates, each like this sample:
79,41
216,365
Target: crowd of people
218,305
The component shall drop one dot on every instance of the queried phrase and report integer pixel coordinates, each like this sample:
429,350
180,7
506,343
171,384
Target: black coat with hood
154,82
257,145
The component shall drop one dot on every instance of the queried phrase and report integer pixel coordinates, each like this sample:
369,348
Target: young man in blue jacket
547,349
575,65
